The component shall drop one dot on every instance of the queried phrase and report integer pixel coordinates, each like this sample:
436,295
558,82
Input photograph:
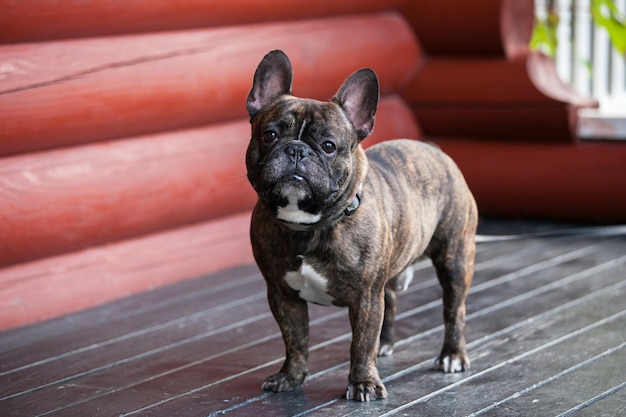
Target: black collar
356,202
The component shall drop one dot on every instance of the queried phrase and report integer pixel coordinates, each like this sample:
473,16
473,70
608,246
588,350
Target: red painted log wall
506,99
42,20
544,181
491,28
91,92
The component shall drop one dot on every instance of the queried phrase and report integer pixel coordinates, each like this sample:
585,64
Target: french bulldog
337,225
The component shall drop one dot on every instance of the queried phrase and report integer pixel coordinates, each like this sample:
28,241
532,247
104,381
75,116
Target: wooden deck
546,334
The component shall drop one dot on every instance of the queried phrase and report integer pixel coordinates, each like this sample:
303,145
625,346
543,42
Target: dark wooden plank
431,388
533,292
585,381
545,355
340,375
345,338
187,301
103,355
413,376
106,325
128,316
609,404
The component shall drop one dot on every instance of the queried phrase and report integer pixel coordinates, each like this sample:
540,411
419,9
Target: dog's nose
297,151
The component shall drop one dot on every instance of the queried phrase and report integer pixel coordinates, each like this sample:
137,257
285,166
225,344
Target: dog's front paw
451,363
366,391
281,382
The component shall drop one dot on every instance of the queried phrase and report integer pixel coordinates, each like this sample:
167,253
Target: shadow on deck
546,337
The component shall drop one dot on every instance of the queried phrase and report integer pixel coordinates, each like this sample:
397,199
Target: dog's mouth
298,227
295,203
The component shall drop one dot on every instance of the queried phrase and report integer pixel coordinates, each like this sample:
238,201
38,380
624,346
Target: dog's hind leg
454,263
396,284
387,331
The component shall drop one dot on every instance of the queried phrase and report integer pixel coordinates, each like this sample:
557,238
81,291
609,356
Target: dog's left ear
358,97
272,79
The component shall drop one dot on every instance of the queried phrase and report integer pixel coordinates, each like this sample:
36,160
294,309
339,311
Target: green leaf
606,14
544,35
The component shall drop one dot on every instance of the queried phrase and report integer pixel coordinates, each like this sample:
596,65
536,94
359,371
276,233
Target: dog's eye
270,136
329,147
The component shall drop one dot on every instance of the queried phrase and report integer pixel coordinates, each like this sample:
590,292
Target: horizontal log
520,98
458,27
39,20
66,93
63,200
528,80
505,123
72,282
577,182
68,199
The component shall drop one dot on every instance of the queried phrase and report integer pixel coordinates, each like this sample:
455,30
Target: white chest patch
311,286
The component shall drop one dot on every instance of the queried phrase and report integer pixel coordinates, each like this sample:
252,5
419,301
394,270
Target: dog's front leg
292,316
366,318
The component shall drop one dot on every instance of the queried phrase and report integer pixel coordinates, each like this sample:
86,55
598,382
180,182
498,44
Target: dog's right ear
272,79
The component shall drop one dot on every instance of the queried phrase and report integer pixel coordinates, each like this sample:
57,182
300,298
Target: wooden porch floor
546,333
